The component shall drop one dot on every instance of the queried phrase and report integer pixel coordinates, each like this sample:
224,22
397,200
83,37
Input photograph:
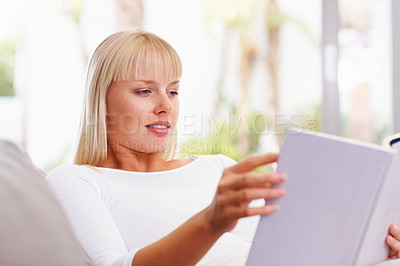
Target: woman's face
142,113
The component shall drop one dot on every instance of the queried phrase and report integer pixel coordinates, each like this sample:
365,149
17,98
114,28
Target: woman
129,202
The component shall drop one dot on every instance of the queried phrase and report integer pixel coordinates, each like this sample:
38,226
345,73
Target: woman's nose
164,105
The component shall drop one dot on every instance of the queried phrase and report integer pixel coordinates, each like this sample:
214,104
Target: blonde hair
120,57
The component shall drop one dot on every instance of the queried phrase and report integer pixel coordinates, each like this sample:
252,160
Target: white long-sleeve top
114,213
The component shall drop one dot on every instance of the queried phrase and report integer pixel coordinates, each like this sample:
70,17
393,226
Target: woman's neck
123,158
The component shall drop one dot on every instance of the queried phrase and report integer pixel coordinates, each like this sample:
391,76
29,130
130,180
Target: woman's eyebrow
153,82
174,82
145,81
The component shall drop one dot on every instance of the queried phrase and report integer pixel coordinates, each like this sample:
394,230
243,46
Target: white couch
34,230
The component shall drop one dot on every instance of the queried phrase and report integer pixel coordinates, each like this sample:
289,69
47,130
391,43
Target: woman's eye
143,92
173,93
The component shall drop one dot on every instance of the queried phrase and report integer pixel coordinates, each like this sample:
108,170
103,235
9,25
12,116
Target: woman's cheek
128,123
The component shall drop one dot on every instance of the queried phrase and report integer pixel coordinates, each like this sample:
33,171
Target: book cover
336,190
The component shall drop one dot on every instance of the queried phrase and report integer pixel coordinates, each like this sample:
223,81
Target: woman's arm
236,189
90,218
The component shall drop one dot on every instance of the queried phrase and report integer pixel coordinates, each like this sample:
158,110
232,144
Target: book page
387,211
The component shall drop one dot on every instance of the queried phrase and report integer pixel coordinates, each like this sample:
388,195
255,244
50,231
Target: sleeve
80,196
395,262
226,161
246,228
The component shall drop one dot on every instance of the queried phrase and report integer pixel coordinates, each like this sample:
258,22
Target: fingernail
273,207
281,177
280,191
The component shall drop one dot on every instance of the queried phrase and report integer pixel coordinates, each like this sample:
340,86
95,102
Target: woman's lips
159,128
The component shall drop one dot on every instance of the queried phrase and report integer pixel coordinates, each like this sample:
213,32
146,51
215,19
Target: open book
341,197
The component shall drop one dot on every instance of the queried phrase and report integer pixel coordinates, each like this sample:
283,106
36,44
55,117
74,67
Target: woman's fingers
252,180
394,230
264,210
239,186
394,246
393,240
253,161
250,194
237,212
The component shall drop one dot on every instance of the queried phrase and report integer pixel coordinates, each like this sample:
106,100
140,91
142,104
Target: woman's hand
188,243
238,187
393,241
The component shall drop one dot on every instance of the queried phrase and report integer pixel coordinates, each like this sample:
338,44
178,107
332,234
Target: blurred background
252,69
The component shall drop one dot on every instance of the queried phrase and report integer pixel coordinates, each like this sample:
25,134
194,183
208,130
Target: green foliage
279,19
309,118
73,9
239,13
232,12
224,137
306,119
7,62
221,141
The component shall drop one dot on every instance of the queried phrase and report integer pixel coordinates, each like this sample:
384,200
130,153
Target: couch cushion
33,227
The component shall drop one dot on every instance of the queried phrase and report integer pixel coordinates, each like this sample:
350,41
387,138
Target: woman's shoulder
71,171
66,170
